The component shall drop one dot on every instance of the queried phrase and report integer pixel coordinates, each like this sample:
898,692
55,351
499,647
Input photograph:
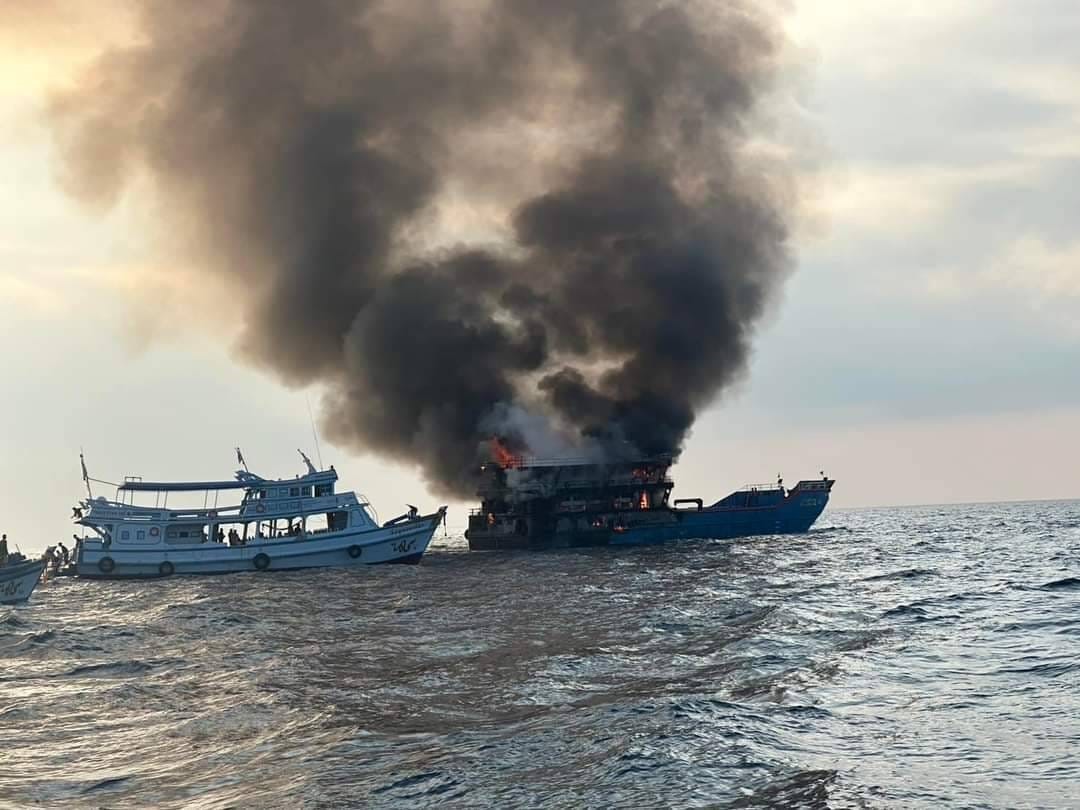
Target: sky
926,350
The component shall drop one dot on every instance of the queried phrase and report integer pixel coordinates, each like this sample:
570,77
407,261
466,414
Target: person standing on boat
3,551
63,555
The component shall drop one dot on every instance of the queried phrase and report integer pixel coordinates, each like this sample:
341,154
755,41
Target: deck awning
188,486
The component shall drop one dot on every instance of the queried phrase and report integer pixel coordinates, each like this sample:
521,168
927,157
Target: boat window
336,521
140,535
171,534
323,489
125,535
262,494
294,492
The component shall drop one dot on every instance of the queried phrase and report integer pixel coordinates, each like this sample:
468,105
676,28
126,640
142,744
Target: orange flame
503,457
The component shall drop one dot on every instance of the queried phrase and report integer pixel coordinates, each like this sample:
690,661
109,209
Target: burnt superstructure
536,504
530,503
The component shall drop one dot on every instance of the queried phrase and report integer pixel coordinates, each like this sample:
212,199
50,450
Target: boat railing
527,462
114,510
820,484
772,486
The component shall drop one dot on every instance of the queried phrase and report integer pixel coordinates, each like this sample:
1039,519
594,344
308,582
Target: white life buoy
260,508
154,531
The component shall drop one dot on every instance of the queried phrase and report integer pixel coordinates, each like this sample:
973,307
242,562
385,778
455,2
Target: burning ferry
539,504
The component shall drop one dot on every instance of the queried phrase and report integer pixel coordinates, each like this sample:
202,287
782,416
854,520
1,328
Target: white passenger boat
18,580
279,524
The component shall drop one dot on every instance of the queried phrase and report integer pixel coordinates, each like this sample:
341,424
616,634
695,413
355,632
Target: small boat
18,580
279,524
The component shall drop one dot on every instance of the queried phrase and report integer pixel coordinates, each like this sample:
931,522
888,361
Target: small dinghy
279,524
18,580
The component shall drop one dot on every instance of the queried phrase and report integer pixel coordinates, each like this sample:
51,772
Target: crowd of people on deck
56,557
234,538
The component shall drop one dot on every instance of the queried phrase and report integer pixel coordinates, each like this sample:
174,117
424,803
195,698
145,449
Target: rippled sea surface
916,657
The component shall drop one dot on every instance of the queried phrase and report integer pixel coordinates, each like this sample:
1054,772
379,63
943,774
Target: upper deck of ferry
267,507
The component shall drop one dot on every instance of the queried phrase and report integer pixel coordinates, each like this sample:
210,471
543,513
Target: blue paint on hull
794,514
581,506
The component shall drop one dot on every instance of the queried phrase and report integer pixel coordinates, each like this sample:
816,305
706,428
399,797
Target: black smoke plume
534,218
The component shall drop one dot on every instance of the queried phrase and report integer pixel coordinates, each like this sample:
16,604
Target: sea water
907,657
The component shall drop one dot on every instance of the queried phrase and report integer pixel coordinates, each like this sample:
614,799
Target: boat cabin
269,509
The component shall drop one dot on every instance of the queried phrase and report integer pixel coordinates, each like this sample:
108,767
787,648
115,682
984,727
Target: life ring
355,551
106,565
261,562
166,569
260,508
154,531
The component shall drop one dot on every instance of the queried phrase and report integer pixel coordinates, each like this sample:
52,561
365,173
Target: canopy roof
243,480
188,486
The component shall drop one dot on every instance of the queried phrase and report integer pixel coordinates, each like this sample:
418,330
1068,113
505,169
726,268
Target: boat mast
314,433
85,475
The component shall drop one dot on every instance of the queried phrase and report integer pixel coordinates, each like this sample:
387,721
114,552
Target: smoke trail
450,212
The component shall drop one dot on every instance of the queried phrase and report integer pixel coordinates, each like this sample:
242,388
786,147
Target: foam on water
916,657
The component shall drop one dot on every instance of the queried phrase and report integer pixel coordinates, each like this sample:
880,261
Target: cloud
43,299
43,42
945,285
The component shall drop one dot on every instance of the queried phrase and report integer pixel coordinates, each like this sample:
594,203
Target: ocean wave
114,669
905,573
1066,583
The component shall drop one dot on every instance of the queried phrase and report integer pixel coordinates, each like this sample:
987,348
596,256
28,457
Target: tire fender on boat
106,565
355,551
166,569
261,561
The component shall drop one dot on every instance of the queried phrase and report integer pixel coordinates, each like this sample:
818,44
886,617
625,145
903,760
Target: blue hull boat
540,505
745,513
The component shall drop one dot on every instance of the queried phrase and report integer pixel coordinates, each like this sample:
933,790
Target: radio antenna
314,432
